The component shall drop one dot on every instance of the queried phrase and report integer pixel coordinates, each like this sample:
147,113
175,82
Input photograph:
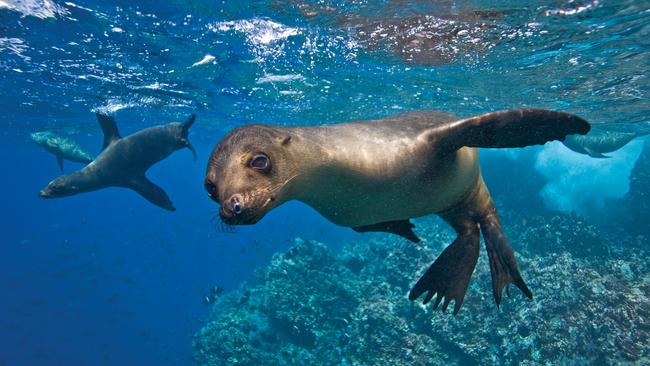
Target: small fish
213,295
61,147
599,142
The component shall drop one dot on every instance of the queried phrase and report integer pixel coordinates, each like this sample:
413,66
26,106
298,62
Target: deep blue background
107,278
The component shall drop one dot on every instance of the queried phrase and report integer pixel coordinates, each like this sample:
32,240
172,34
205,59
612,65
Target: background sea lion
375,175
61,147
600,141
123,162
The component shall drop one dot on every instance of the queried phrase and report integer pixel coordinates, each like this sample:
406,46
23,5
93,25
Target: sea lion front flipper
59,161
504,129
403,228
503,265
449,275
109,127
152,193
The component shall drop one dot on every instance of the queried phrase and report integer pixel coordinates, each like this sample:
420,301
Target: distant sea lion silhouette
61,147
123,162
599,142
375,175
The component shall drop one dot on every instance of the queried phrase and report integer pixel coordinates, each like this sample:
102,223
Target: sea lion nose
232,207
235,204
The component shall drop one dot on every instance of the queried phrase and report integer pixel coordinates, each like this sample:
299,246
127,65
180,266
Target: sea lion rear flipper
595,154
151,193
109,127
503,265
449,275
403,228
59,161
511,128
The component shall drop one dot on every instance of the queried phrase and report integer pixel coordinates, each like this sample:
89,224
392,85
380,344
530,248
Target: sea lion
61,147
600,141
123,162
375,175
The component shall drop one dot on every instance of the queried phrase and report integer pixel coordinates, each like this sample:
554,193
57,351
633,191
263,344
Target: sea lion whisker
219,225
276,187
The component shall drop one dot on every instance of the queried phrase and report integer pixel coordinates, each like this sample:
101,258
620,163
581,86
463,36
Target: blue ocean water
106,278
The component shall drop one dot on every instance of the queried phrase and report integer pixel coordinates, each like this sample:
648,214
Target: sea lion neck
312,158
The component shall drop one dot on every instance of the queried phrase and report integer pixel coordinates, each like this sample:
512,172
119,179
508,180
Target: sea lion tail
449,275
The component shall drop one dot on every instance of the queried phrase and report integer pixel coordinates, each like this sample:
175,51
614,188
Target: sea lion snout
234,212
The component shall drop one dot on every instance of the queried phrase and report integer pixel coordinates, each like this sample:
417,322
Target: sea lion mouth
234,213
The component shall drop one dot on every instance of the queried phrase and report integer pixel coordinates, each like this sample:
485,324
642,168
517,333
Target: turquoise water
107,278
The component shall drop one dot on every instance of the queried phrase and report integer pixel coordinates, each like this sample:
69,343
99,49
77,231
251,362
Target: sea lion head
248,173
60,187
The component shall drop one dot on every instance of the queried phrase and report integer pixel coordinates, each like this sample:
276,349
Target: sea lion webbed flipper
450,273
503,265
511,128
403,228
151,193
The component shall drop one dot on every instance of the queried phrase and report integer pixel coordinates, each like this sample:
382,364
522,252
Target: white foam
112,107
258,31
15,46
581,183
573,10
206,59
279,78
41,9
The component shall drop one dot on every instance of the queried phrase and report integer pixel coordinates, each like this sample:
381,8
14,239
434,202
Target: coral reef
315,307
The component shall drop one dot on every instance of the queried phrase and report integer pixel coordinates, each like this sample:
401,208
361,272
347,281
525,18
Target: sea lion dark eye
211,188
261,162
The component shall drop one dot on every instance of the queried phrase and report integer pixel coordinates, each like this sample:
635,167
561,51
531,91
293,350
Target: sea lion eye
261,162
211,188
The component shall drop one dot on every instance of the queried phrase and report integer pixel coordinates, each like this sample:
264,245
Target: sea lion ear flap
283,139
511,128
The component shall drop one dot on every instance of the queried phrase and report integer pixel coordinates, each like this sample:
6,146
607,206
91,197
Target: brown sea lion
375,175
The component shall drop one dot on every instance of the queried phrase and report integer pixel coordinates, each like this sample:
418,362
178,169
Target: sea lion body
375,175
61,147
123,162
391,174
600,142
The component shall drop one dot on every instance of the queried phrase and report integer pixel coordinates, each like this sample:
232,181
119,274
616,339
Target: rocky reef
311,306
636,203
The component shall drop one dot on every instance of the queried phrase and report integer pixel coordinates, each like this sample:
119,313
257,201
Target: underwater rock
315,307
538,234
636,202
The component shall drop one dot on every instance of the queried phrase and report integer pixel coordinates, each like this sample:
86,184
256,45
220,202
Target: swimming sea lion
61,147
599,142
375,175
123,162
